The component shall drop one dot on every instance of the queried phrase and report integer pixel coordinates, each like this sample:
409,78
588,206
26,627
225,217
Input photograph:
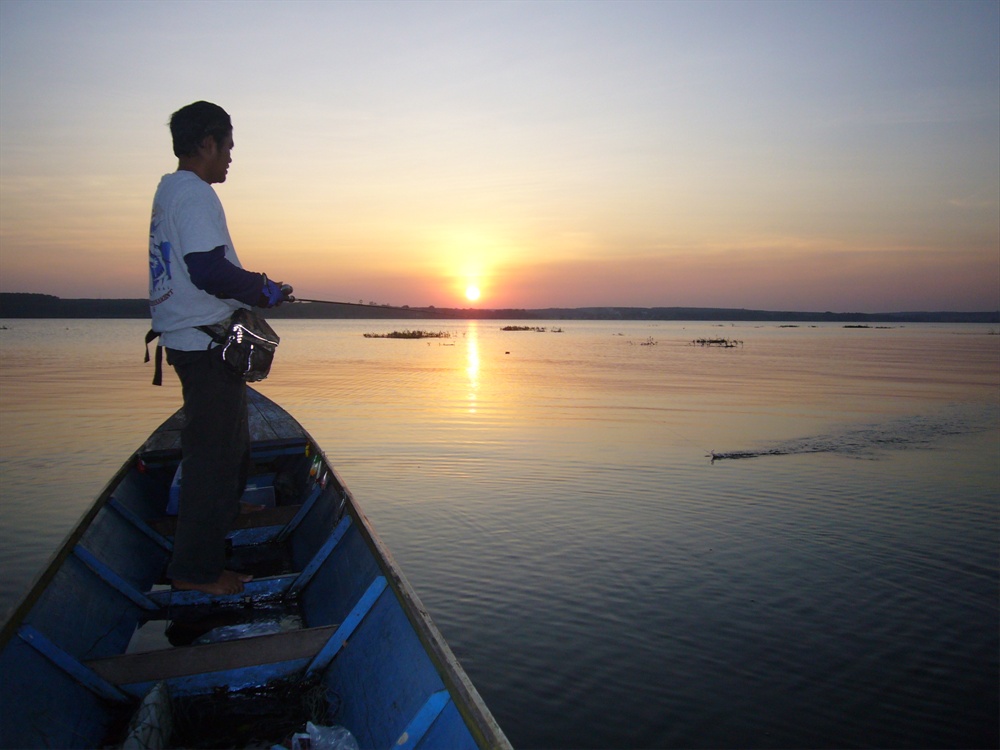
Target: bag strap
158,367
213,332
219,337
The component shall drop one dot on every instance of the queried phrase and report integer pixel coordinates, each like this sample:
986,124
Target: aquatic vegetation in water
537,329
723,343
409,335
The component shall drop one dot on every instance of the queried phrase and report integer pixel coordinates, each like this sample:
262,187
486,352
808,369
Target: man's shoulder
183,185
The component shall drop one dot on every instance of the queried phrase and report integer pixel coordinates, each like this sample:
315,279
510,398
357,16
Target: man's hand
272,295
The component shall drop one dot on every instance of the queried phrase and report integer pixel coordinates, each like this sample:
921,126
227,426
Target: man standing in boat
195,279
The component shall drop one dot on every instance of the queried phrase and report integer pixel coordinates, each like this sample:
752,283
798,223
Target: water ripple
869,441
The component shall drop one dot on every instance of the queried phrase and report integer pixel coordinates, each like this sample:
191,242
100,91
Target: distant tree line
26,305
18,305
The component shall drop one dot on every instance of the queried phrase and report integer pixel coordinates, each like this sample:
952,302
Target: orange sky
794,156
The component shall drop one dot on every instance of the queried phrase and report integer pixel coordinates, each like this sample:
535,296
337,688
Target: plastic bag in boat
318,737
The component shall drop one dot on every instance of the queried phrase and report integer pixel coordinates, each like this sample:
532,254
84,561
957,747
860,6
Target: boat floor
182,624
204,634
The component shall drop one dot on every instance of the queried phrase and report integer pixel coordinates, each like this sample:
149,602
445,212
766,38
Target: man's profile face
217,157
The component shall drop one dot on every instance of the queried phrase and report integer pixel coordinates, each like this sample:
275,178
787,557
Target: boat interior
327,631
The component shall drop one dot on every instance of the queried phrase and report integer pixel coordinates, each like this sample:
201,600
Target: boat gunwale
58,558
478,718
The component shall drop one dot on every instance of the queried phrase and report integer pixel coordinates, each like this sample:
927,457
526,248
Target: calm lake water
830,580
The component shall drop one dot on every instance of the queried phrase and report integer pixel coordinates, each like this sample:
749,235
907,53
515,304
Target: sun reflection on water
472,362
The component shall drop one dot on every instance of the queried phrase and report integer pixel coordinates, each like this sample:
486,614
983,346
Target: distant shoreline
29,305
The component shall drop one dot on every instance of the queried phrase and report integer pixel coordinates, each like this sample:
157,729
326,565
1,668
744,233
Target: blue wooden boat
101,651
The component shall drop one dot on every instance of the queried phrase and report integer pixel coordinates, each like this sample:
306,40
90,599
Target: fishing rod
286,289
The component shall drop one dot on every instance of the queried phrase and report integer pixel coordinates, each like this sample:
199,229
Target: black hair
189,125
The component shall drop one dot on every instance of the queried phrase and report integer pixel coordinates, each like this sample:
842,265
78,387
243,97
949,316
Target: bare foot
226,584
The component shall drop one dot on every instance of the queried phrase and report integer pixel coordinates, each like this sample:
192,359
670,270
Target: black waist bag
247,344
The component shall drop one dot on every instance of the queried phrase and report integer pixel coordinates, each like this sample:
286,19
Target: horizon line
303,304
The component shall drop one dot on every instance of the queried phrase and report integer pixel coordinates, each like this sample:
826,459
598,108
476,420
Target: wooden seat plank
153,666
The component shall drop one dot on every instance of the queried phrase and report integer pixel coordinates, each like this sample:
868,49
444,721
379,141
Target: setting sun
472,293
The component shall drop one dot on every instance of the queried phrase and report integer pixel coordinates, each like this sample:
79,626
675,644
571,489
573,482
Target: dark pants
215,442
